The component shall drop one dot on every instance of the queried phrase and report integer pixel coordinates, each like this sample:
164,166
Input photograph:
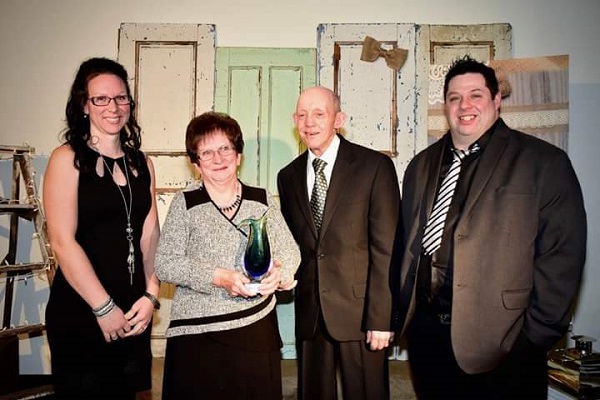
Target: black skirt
242,363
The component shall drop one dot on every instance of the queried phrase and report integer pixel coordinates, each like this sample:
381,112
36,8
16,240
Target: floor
400,386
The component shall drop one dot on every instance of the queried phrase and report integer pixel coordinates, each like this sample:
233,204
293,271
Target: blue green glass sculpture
257,257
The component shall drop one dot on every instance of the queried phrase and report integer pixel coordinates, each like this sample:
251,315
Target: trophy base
253,287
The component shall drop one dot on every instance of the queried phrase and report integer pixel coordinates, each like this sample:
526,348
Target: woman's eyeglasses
102,101
224,151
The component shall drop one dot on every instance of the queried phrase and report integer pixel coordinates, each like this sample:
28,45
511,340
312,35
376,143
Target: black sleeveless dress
84,366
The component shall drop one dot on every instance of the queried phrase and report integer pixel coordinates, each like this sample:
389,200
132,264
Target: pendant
131,256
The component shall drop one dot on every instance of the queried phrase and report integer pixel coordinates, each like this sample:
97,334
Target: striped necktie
319,192
432,238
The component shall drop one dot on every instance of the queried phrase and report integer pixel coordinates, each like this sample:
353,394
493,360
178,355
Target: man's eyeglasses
103,101
224,151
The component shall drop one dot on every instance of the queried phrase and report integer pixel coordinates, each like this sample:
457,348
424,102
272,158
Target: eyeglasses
103,101
224,151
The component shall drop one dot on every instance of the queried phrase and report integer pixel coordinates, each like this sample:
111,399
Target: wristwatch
153,299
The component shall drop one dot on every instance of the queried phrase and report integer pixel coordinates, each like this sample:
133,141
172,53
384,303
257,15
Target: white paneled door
172,78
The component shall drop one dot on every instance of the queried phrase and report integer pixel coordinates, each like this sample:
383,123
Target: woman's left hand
270,283
140,316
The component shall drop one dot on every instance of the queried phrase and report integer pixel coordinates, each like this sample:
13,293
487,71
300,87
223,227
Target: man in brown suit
483,306
343,298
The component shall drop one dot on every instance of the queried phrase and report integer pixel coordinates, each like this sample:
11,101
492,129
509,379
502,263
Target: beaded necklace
234,204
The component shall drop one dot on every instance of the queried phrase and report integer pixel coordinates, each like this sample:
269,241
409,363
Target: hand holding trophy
257,258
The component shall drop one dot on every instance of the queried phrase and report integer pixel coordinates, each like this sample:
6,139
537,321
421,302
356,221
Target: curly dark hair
467,65
208,123
77,133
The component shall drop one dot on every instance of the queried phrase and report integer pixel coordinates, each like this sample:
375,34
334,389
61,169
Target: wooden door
171,67
378,101
387,110
437,47
259,87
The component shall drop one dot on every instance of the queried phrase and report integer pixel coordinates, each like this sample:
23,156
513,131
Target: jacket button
320,256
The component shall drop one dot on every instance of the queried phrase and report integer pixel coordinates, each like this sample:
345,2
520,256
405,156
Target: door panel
171,69
387,111
259,88
379,101
437,47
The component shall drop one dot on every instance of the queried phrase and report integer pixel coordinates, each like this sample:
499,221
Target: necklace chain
129,229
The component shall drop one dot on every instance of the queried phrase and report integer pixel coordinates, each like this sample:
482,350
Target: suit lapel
489,160
301,192
342,172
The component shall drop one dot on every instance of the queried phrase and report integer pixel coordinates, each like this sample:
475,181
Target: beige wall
43,41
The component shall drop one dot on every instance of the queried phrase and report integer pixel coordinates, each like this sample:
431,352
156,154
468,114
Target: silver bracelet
104,308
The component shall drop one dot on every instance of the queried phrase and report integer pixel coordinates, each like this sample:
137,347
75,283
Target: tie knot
319,165
462,154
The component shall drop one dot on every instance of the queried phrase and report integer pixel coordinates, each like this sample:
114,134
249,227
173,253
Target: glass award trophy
257,257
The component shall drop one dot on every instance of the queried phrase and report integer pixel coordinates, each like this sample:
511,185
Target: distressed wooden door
259,87
387,110
378,101
437,47
171,67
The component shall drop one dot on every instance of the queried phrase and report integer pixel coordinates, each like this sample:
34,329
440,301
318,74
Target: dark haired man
495,234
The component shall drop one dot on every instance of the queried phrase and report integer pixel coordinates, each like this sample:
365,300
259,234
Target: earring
85,116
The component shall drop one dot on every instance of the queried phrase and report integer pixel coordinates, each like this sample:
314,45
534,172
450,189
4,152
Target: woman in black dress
103,227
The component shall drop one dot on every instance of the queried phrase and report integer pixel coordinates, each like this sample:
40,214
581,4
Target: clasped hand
116,324
235,282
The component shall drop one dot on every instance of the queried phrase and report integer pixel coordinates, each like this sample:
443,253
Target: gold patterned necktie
319,192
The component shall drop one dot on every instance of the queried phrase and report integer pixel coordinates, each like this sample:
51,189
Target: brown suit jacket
345,271
519,245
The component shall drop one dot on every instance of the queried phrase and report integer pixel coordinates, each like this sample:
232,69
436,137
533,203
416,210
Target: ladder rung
31,393
25,267
8,332
15,149
16,207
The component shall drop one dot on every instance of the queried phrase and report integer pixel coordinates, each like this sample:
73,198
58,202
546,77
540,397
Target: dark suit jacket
519,245
344,272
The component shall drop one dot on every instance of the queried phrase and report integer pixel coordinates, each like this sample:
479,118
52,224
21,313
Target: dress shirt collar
329,156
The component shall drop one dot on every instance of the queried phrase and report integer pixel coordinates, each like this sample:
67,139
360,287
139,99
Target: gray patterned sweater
196,238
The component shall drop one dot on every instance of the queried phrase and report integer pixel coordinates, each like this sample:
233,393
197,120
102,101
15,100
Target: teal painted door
259,88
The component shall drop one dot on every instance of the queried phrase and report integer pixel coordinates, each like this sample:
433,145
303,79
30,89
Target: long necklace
129,229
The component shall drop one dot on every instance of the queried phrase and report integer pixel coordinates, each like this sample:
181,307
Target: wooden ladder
28,207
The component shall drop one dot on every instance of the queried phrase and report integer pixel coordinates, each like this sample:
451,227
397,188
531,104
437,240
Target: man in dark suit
486,300
343,298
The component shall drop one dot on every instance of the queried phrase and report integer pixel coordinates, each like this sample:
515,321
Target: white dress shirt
329,157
